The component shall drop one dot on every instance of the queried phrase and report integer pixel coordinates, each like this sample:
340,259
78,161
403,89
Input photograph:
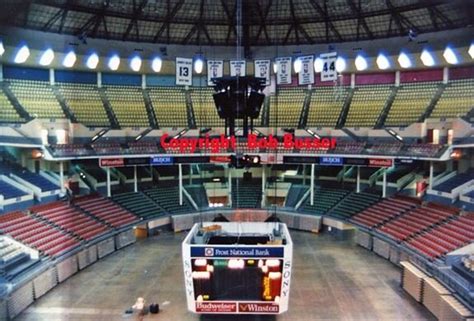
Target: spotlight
136,63
92,61
382,62
450,56
340,64
2,49
114,62
404,61
198,65
318,65
361,63
69,60
427,58
471,50
297,65
22,54
156,64
47,57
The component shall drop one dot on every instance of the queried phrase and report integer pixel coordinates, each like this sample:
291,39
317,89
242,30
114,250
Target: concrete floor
332,280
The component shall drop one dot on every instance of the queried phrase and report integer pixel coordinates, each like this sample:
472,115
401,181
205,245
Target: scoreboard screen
237,279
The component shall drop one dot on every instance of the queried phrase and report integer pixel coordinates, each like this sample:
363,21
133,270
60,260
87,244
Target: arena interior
125,122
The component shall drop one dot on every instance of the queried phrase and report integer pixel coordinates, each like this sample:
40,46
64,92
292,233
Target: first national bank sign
226,143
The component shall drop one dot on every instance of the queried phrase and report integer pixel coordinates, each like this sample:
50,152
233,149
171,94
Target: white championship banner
262,70
329,72
184,71
306,75
215,69
283,70
237,68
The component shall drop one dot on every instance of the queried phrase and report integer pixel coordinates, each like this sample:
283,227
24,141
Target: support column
358,179
353,81
430,182
109,189
99,79
1,72
384,184
135,179
229,187
190,174
304,174
51,77
180,167
397,78
143,81
313,167
264,180
61,177
445,75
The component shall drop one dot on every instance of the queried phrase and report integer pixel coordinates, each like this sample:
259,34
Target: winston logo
258,307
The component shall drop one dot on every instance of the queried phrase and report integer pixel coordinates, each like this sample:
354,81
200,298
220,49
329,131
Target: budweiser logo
216,307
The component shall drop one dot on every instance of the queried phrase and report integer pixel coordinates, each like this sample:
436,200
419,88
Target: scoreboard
237,268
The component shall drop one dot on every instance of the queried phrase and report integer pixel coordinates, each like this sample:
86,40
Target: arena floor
332,280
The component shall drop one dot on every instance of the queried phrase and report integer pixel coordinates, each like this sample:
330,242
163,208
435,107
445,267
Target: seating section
37,98
324,199
8,113
139,204
9,191
37,234
410,103
456,100
353,204
414,221
128,105
385,149
450,184
169,105
167,197
198,194
13,259
295,193
63,150
71,220
326,106
85,102
246,194
107,148
445,237
106,210
426,150
286,106
367,105
349,148
37,180
204,108
383,211
143,148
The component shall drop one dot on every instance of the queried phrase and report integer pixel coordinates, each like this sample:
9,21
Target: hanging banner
283,70
215,69
237,68
329,72
306,75
262,70
184,71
